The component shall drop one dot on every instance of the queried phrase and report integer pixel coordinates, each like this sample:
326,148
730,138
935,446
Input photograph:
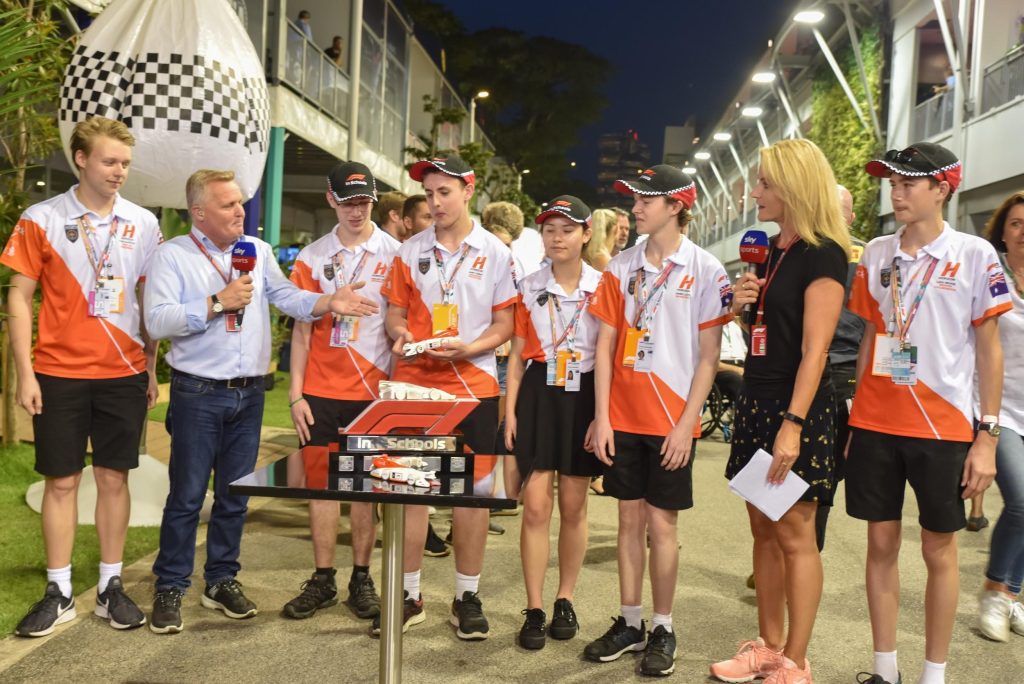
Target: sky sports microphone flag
754,250
243,260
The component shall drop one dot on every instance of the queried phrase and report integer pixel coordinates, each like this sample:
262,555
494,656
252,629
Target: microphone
754,250
243,259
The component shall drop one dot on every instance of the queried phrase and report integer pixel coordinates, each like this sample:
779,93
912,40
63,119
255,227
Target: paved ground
713,612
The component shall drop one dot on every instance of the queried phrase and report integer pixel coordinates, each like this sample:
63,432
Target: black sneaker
495,528
619,638
166,617
412,614
468,617
531,635
362,596
434,545
115,606
563,621
227,596
319,591
660,656
53,609
871,678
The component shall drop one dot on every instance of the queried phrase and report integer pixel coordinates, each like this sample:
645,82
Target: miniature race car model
408,391
392,469
414,348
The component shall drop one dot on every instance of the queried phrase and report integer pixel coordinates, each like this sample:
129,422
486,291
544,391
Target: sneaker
166,617
227,596
115,606
753,660
751,582
1017,618
531,635
789,673
434,545
994,615
362,596
495,528
52,610
319,591
660,655
871,678
505,511
619,638
563,621
468,617
412,614
977,524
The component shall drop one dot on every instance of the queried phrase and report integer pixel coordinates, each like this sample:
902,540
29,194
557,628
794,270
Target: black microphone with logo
243,259
754,250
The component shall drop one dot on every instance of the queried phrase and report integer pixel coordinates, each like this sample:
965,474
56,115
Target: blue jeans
1006,560
212,429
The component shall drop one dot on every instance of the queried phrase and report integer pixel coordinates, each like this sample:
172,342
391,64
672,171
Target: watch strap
793,418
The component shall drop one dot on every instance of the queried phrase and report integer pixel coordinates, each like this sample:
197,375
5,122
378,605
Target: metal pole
831,59
781,93
472,119
725,188
855,42
355,51
391,605
743,172
764,134
274,184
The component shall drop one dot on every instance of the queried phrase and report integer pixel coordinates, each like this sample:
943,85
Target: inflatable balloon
184,76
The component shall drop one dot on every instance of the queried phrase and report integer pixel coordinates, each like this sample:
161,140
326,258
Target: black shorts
329,415
636,473
880,466
109,413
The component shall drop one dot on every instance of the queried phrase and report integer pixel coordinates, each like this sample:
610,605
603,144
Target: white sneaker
1017,618
994,615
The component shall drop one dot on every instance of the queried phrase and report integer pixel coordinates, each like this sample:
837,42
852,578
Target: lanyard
225,277
90,250
339,269
648,297
448,288
902,319
771,276
568,329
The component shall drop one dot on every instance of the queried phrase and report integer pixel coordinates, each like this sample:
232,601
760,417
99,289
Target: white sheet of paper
773,500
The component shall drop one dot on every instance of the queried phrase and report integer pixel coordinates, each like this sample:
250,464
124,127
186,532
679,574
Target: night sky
680,58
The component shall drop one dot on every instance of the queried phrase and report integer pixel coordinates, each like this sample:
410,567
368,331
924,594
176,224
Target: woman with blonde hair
597,253
786,405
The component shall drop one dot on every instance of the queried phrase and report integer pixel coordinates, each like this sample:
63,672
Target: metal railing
313,74
934,116
1004,80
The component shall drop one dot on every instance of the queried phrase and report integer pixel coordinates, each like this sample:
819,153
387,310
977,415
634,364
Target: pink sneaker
789,673
754,660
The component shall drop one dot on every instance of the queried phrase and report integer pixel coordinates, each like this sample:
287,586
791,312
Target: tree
32,65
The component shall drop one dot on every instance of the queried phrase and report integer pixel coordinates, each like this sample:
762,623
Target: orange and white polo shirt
535,311
49,246
482,285
352,372
696,296
967,287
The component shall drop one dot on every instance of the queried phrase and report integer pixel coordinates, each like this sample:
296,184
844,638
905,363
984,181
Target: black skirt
551,425
757,422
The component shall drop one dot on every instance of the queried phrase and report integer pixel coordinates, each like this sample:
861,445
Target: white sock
934,673
634,615
107,570
411,583
885,665
62,576
663,620
464,583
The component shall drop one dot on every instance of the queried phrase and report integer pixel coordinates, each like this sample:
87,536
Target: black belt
232,383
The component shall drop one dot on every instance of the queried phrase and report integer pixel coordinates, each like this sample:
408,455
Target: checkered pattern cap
572,208
453,165
920,159
351,179
662,179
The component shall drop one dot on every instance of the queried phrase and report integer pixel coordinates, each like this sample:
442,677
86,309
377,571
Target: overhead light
525,171
702,156
543,204
809,17
723,136
573,164
689,170
482,94
763,77
752,112
41,184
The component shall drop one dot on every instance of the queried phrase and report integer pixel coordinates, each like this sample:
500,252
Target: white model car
410,392
414,348
392,469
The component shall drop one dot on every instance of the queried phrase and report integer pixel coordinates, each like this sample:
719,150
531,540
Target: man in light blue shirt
219,357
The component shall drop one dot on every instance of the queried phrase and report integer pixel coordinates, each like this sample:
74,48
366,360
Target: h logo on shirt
476,271
685,286
950,269
380,271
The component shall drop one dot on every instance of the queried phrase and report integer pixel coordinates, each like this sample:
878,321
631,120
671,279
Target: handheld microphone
243,259
754,250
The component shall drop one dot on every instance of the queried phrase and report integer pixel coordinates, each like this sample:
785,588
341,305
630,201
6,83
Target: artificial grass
22,556
275,409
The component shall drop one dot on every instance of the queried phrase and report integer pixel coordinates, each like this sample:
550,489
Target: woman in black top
786,407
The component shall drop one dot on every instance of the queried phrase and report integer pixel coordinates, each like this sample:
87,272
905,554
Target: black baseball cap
351,179
920,159
568,206
662,179
453,165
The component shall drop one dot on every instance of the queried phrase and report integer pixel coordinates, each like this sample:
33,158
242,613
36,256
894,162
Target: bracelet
793,418
293,403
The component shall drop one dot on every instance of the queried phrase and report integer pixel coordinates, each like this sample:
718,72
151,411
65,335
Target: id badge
562,359
445,319
573,371
644,357
344,331
904,365
232,322
881,361
552,372
759,340
107,298
633,337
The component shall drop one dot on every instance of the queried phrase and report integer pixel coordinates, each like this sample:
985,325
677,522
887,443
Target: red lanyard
569,330
104,259
448,288
339,269
901,321
659,284
768,281
209,257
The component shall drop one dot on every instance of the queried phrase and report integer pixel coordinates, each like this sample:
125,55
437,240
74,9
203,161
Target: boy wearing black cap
931,298
454,280
336,365
662,305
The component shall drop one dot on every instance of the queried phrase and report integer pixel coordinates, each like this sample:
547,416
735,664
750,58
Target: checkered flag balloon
184,76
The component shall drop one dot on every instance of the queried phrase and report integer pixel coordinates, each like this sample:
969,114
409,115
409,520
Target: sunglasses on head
907,156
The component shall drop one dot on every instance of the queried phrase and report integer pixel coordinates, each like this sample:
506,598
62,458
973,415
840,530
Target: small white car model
407,391
392,469
414,348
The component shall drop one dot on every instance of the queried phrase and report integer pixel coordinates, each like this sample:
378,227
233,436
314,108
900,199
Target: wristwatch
989,424
217,306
